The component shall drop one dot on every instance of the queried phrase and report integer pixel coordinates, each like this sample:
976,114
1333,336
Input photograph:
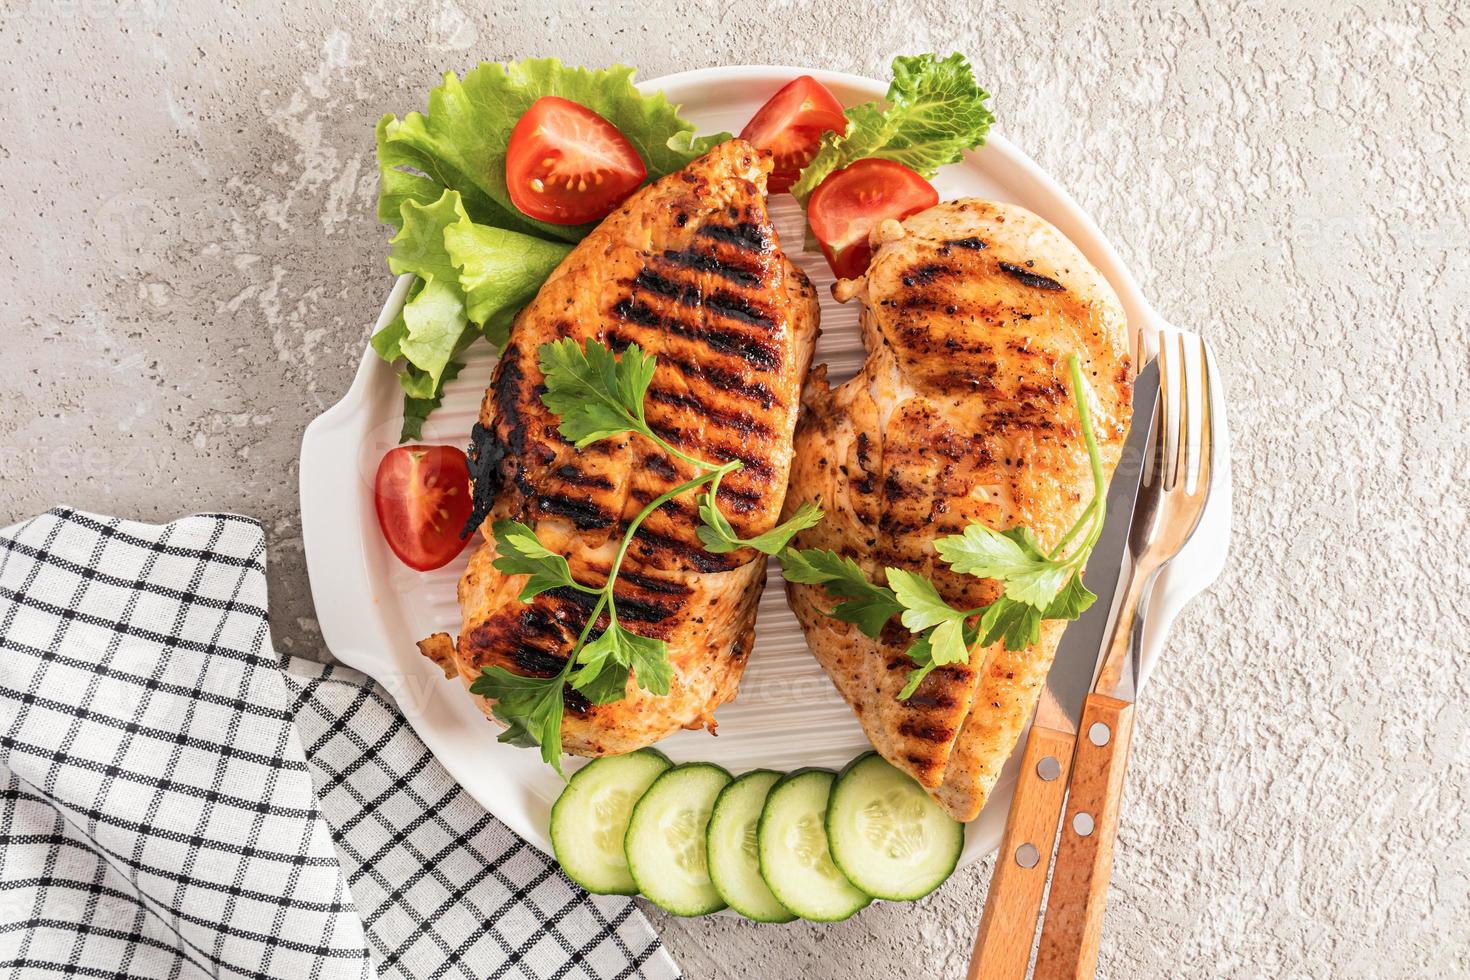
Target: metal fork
1165,515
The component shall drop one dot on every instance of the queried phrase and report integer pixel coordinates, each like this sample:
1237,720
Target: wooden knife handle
1008,926
1079,884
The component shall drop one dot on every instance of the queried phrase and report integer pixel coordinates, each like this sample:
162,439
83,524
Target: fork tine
1163,460
1206,442
1183,457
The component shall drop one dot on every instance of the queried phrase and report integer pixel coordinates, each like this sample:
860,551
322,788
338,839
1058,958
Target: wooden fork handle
1079,884
1008,925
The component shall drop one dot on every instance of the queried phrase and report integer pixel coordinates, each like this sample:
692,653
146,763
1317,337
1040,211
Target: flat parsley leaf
607,659
520,553
603,675
530,707
1014,557
1018,623
1072,601
869,606
649,659
988,553
596,393
719,537
923,606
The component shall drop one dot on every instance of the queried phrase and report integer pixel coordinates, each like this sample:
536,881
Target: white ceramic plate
372,608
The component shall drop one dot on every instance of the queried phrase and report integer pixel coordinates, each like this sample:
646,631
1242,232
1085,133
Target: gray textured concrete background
194,265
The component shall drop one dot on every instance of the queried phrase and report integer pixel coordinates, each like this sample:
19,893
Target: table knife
1008,925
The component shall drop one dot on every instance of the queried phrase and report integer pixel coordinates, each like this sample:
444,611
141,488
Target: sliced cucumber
591,816
665,842
887,836
792,845
734,866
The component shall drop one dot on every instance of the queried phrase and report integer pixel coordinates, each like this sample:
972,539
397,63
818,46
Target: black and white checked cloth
175,801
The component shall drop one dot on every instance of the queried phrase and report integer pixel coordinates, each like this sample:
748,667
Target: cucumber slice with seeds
590,817
734,864
665,842
885,833
792,845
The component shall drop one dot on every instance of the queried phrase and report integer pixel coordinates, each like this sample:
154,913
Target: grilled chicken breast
962,412
689,269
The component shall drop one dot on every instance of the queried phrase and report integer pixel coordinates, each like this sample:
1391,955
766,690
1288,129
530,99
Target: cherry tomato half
567,165
791,125
422,495
853,200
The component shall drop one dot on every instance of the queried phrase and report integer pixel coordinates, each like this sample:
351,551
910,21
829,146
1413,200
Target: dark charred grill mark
535,623
484,458
721,302
954,382
972,243
918,301
652,544
733,306
1042,392
660,465
712,264
569,473
745,235
721,379
923,275
926,732
652,282
583,602
635,312
895,489
534,662
723,454
585,514
677,510
633,609
753,352
862,450
575,701
1029,278
890,523
488,451
738,422
941,698
738,501
650,584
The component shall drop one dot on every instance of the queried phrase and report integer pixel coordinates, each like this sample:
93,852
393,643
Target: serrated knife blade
1070,678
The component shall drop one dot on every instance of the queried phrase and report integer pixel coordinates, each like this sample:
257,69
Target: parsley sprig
1038,584
598,395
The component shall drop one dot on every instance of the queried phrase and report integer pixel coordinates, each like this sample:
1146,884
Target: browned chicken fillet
689,269
962,412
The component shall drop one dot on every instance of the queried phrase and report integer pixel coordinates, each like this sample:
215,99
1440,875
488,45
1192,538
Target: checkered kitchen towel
175,804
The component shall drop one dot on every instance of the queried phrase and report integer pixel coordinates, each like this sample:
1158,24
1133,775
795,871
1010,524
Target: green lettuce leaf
416,408
460,143
469,276
435,322
935,112
499,271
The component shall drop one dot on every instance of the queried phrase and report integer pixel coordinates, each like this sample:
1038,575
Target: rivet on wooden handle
1084,865
1008,925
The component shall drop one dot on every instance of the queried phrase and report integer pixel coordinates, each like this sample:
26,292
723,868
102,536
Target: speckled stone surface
194,265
